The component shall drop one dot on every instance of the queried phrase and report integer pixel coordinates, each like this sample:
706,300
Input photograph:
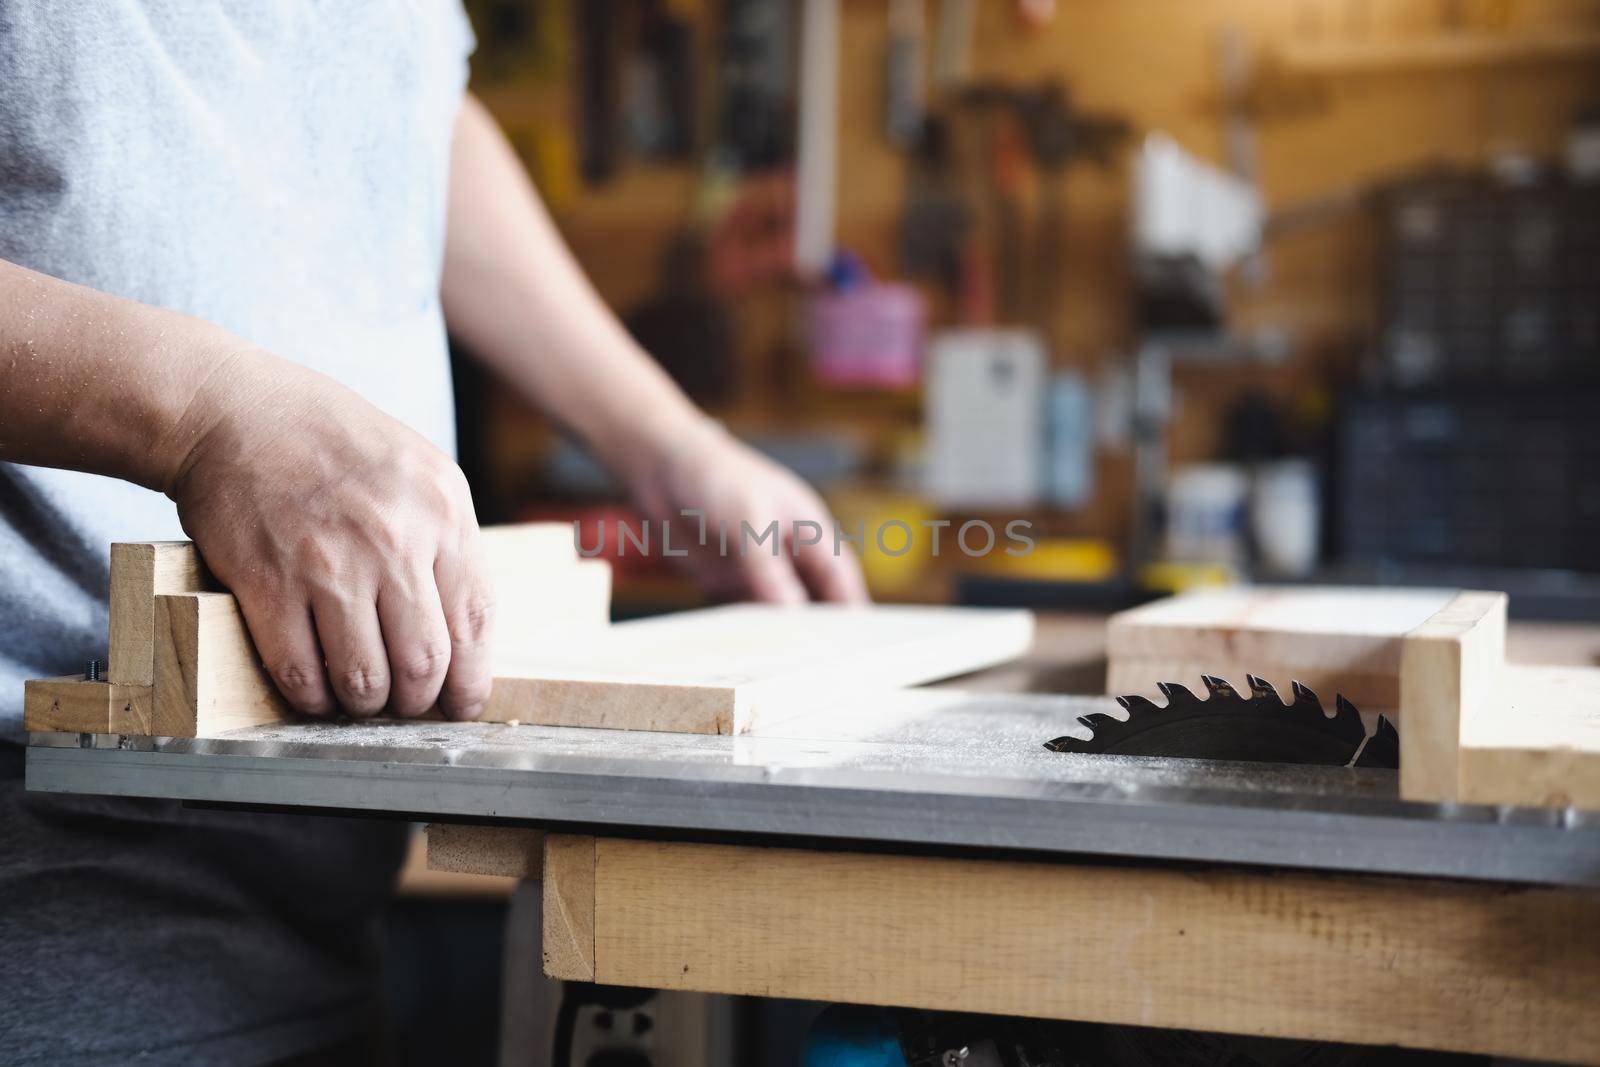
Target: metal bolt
91,672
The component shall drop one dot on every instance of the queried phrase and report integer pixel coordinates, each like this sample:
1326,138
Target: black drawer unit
1504,478
1483,283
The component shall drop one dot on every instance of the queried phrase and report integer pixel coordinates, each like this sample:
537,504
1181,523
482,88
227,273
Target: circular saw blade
1226,725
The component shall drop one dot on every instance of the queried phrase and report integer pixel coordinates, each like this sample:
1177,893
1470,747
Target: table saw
936,848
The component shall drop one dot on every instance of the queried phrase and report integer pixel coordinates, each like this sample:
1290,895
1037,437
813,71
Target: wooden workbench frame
1418,963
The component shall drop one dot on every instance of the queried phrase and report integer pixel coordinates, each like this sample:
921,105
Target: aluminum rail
974,777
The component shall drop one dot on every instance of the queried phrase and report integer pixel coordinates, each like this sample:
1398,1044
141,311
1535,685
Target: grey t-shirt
280,169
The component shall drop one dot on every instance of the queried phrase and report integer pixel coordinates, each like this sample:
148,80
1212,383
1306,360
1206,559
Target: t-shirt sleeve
466,37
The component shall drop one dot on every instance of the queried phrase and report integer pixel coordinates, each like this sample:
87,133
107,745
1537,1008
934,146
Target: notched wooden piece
76,705
208,679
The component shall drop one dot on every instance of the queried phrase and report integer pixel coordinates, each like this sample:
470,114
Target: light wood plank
719,671
75,705
1415,963
1537,742
557,662
1372,693
417,879
1449,664
1333,639
141,571
208,677
569,597
743,667
504,851
569,907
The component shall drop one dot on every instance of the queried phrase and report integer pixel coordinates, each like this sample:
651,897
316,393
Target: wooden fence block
76,705
140,572
1452,659
208,678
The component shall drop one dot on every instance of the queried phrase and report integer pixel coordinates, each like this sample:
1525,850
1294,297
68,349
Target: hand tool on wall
936,224
599,88
755,80
1059,135
904,103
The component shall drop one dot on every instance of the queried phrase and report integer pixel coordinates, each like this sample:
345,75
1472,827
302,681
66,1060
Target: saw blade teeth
1346,722
1260,687
1174,692
1063,744
1135,705
1348,715
1303,694
1382,748
1097,720
1217,687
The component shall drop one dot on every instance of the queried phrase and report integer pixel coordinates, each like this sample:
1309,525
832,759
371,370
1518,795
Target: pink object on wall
867,335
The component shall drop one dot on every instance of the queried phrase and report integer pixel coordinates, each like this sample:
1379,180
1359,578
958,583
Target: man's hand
348,539
727,482
516,297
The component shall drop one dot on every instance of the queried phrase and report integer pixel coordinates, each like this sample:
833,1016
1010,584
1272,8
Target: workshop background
1206,290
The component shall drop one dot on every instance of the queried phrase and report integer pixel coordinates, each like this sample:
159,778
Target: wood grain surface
1418,963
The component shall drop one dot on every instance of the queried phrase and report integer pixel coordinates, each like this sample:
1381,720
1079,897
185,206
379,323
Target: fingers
831,576
397,651
352,643
285,638
468,613
772,580
415,640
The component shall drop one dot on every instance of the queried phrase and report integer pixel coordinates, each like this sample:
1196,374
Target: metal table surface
940,769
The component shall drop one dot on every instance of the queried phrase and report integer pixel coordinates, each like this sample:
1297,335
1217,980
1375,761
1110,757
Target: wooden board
208,677
535,568
1336,640
503,851
1418,963
1451,659
569,907
140,572
571,598
418,879
75,705
1480,730
734,669
1536,742
722,670
541,585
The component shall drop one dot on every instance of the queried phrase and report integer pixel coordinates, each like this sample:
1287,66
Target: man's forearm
97,383
514,294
